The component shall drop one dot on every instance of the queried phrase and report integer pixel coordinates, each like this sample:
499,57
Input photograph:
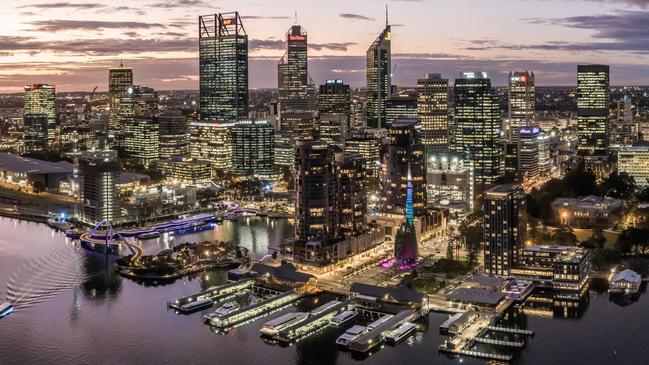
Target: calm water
72,310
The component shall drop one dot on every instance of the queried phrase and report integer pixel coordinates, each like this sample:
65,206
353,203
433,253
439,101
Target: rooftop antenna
296,17
121,62
386,16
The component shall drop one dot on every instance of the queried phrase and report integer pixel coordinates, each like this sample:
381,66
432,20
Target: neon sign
296,38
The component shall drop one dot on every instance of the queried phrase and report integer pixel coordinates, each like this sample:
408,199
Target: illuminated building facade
332,128
98,171
284,150
503,228
138,111
476,126
292,75
432,111
562,268
634,160
212,142
300,124
253,147
522,101
623,129
183,170
351,193
223,67
404,161
174,134
528,152
40,100
369,147
593,97
379,78
335,98
400,107
34,133
119,80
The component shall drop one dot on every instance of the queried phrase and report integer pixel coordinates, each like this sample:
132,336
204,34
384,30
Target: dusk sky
71,44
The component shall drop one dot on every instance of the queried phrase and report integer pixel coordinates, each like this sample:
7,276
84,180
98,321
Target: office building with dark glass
40,103
379,78
293,84
335,98
119,80
593,98
503,211
223,67
253,151
522,98
432,111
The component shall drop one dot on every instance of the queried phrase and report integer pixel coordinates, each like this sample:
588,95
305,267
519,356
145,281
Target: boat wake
41,279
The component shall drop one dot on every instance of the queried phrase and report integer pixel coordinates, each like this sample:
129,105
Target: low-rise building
585,211
185,170
25,172
477,299
634,160
560,267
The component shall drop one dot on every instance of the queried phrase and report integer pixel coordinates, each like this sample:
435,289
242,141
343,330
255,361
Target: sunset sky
71,44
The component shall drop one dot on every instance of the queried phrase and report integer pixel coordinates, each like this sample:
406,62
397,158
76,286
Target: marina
378,331
213,293
317,319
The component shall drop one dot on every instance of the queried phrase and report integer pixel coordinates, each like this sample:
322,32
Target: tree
38,187
564,237
618,185
633,240
581,182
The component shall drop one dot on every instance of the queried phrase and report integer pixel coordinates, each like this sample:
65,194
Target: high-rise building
212,142
528,152
335,98
432,111
351,193
223,67
34,133
332,128
119,80
379,77
369,147
404,160
593,98
98,171
634,160
300,124
545,154
138,111
40,99
315,194
253,147
522,99
503,228
292,75
623,129
476,126
284,150
174,134
400,107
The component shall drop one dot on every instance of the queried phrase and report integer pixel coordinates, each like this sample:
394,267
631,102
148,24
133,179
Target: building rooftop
484,280
399,293
15,163
476,295
503,189
286,271
628,276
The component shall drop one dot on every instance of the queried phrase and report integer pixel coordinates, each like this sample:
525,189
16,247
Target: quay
483,355
318,319
517,331
375,336
214,293
492,341
255,311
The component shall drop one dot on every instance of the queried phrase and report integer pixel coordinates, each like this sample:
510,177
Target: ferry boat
324,307
239,213
227,308
272,327
352,333
400,333
73,233
148,235
343,318
199,304
6,309
379,322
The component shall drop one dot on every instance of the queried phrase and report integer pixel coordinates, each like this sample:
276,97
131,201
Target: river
72,310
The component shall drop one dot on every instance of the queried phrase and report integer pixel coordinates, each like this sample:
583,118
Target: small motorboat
6,309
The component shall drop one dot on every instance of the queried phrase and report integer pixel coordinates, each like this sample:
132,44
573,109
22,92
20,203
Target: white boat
272,327
400,333
379,322
6,309
324,307
191,306
343,318
227,308
352,333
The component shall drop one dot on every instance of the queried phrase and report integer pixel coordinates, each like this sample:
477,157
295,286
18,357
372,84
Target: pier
213,293
483,355
492,341
517,331
318,319
255,311
374,337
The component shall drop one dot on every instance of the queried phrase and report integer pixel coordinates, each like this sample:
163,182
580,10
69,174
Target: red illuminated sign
296,38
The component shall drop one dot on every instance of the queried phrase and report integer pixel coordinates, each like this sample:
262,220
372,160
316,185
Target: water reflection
101,282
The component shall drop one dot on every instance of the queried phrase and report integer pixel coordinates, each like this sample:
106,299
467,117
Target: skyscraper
593,97
503,228
138,111
476,126
400,107
119,80
623,129
432,111
351,191
98,171
40,100
522,99
212,142
34,133
379,78
253,150
335,98
223,67
292,75
404,160
368,146
174,134
315,194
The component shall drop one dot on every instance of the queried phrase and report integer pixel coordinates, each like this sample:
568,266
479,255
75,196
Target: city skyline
70,44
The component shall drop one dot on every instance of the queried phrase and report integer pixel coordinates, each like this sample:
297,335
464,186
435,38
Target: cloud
333,46
253,17
98,46
64,5
265,44
355,16
182,4
64,25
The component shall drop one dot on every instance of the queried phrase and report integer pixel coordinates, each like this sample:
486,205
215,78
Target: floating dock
374,337
492,341
214,293
517,331
318,319
255,311
483,355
